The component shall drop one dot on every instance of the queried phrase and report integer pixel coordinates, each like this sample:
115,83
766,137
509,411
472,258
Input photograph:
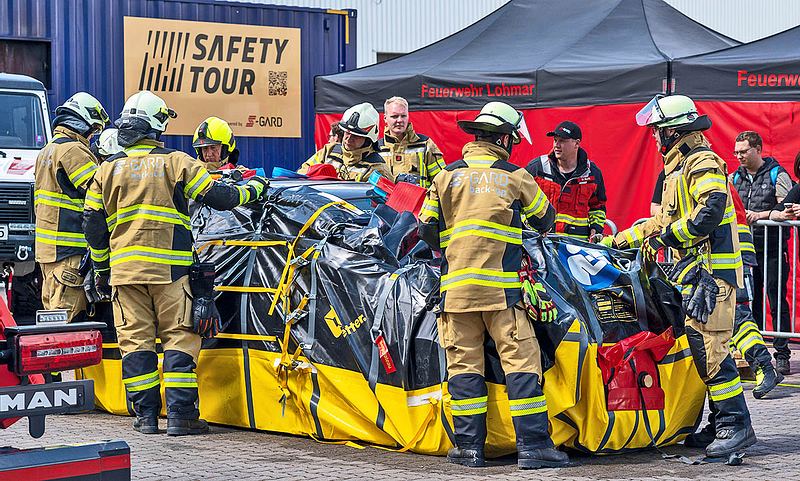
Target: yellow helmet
214,131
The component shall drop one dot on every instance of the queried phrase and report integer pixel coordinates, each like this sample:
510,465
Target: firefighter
137,224
215,144
747,339
572,183
474,212
64,168
697,218
411,157
356,158
335,135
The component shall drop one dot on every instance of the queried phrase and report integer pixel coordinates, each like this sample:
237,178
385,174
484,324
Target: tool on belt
206,319
538,303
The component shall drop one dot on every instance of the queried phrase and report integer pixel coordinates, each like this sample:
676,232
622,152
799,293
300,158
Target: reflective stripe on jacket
64,168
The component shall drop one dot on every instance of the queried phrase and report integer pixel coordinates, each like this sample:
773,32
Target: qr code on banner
277,83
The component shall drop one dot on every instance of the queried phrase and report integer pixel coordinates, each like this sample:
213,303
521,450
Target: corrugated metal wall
744,20
400,26
86,38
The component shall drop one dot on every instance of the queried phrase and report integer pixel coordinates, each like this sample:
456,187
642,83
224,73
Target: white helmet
86,107
667,111
361,120
107,144
498,117
149,107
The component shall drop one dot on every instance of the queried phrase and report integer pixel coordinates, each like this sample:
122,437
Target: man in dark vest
762,183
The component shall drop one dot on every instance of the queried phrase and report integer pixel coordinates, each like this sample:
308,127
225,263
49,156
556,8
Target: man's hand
260,185
753,216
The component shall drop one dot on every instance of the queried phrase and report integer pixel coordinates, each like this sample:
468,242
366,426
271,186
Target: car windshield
21,122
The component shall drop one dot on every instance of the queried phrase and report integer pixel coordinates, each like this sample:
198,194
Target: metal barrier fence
793,228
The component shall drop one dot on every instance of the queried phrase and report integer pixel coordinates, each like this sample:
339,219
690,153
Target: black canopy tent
573,52
592,62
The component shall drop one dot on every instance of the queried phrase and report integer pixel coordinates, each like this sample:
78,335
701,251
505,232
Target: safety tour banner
330,334
249,75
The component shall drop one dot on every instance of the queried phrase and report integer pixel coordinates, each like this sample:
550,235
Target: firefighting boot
468,404
183,427
472,458
766,380
146,425
734,430
141,380
529,413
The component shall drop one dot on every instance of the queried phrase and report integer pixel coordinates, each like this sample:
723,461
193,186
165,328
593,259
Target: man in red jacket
573,183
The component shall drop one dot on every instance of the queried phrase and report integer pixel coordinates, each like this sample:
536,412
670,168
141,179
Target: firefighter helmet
667,111
107,144
361,120
86,107
214,131
149,107
500,118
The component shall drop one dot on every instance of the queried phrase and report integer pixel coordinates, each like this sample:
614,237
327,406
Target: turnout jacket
64,168
697,211
579,197
136,216
355,165
475,207
415,154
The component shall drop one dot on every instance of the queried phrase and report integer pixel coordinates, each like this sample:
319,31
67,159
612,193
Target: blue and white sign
591,268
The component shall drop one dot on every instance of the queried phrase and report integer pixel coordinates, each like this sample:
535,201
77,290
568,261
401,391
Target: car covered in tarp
330,333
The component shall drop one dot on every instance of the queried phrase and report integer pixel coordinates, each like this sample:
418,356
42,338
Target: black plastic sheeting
351,283
558,52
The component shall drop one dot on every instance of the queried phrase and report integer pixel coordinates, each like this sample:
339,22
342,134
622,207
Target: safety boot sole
539,464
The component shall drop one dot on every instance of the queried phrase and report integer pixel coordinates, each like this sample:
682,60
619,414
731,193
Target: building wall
744,20
401,26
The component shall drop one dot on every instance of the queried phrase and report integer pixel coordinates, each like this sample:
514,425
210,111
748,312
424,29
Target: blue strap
773,175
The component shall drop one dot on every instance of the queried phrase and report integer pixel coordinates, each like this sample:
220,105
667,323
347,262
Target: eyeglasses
741,153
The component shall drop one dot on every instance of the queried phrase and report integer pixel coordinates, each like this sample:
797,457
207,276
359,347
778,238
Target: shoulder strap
773,174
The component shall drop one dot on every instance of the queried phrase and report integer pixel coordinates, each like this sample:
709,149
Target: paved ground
246,455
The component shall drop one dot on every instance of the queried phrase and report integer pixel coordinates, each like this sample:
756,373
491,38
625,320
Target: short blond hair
395,100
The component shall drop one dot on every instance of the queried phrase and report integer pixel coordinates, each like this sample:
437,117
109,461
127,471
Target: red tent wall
625,153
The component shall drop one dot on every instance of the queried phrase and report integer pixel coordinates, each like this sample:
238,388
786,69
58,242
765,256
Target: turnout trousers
709,345
62,286
143,312
462,336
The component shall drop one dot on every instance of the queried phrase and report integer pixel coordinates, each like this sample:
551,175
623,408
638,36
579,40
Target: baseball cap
566,130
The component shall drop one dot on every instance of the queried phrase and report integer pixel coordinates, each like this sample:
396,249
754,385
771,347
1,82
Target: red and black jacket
579,197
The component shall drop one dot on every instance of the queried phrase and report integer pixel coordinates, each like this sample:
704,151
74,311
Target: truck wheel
26,296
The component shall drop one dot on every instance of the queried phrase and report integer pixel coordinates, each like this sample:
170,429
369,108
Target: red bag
630,371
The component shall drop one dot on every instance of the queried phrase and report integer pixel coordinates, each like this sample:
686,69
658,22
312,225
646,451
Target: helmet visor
522,128
650,113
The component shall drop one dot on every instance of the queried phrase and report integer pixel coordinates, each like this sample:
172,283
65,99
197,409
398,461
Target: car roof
22,82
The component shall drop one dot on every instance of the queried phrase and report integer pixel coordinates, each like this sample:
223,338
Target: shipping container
84,45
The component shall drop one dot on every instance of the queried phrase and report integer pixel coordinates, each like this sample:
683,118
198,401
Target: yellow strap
269,290
242,243
423,427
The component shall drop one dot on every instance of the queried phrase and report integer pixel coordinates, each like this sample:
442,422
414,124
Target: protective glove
206,317
259,185
96,287
606,241
410,178
207,321
537,301
703,299
650,248
686,271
